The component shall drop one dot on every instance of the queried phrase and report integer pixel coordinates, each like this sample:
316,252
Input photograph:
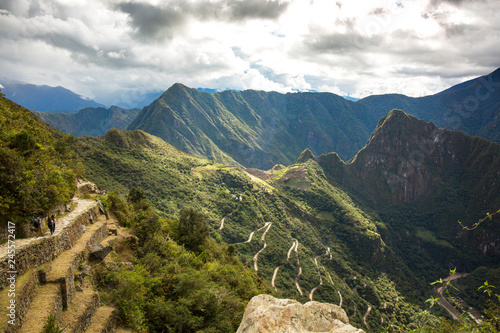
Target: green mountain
37,168
89,121
253,128
433,178
260,129
301,234
45,98
471,107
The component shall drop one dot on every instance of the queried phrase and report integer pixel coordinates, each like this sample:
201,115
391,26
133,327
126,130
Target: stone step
67,263
104,320
33,252
80,311
48,301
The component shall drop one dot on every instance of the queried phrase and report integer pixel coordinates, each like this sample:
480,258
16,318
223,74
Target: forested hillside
37,167
302,235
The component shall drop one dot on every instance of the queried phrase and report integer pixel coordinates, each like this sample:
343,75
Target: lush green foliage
173,289
37,168
301,205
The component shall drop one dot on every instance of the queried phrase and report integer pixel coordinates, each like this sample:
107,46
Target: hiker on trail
51,222
37,223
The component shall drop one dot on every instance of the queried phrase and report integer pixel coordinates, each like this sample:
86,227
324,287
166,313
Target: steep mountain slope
303,235
260,129
253,128
37,170
89,121
472,107
433,177
46,98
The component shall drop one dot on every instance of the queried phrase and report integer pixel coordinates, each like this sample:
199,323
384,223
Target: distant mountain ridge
260,129
89,121
252,128
45,98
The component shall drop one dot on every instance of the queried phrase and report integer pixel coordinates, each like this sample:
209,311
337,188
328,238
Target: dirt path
81,206
311,294
263,238
443,301
318,266
275,273
222,223
300,268
366,315
297,281
340,305
253,232
294,245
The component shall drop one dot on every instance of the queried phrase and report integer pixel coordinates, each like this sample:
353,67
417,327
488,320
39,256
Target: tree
192,229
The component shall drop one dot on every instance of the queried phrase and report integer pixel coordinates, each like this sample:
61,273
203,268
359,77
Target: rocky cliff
265,313
407,160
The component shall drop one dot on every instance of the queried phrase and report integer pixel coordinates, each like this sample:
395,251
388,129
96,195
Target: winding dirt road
263,238
443,301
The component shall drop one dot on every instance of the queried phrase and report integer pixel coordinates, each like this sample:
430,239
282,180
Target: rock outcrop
268,314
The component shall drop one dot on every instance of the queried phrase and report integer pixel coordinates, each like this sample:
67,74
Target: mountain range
260,129
89,121
45,98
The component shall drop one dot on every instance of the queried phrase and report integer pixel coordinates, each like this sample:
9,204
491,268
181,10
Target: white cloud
113,49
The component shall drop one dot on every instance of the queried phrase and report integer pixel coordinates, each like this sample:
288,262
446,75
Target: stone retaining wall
86,318
68,282
45,249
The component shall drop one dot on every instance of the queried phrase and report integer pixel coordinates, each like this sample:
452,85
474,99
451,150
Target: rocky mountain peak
307,154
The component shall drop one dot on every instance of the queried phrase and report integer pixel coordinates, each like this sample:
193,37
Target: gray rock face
99,252
268,314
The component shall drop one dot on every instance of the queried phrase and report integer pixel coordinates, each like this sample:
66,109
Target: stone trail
50,280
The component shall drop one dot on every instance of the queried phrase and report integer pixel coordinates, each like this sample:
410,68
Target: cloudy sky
116,50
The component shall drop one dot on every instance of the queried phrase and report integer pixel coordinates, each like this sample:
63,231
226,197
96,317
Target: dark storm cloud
159,22
153,22
451,2
251,9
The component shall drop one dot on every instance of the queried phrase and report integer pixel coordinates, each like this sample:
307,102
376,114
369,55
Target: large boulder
268,314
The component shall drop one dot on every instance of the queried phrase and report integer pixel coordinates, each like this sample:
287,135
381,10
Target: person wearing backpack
52,224
37,224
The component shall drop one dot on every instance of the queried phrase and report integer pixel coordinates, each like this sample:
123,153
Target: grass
429,237
209,168
41,308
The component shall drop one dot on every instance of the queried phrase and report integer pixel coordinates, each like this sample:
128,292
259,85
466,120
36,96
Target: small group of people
51,223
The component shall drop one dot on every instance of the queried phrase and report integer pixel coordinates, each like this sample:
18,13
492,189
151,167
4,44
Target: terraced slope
50,281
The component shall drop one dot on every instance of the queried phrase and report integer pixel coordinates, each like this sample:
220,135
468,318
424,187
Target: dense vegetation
182,281
37,166
299,202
